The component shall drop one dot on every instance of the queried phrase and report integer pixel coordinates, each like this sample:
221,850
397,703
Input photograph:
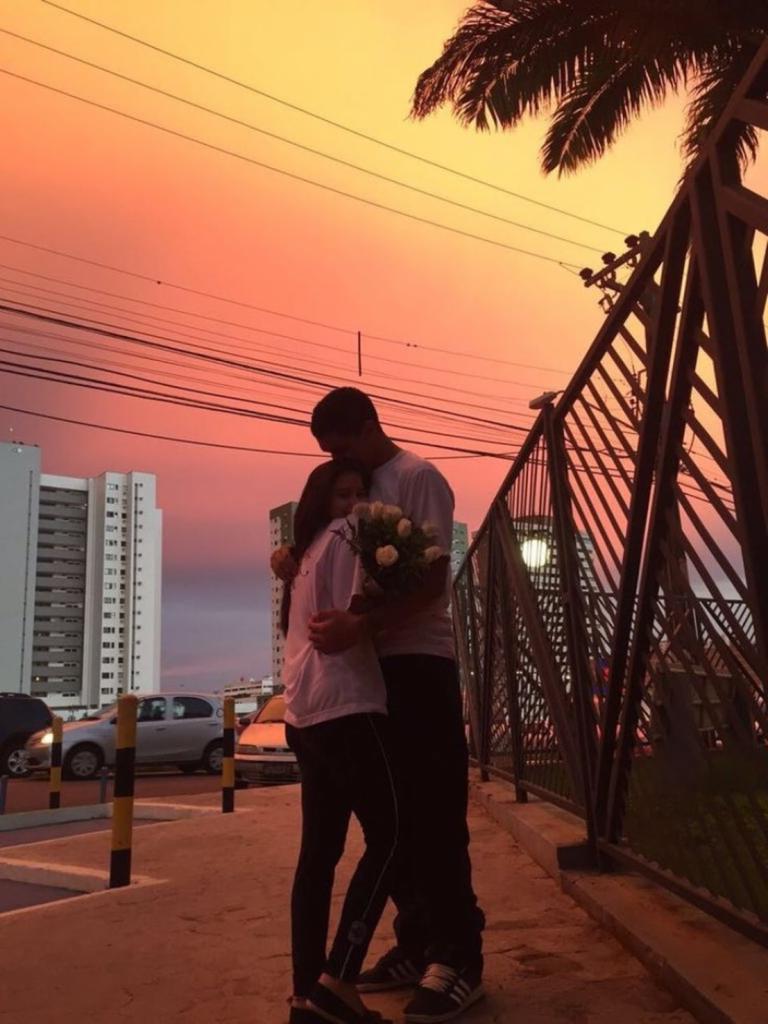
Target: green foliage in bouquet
394,551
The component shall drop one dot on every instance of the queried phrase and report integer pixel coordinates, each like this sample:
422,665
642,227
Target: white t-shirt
320,687
423,493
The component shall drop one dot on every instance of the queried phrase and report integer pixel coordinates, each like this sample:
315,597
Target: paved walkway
210,945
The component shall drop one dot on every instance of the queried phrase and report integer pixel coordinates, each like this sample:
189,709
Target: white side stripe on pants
397,834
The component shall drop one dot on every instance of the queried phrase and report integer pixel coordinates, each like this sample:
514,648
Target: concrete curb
60,816
86,884
83,883
147,811
62,876
142,810
718,975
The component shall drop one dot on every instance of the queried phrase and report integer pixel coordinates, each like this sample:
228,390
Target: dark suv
20,717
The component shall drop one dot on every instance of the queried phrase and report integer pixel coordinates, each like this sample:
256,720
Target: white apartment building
459,546
280,532
80,579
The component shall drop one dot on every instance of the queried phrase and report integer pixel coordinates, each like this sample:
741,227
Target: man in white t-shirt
439,924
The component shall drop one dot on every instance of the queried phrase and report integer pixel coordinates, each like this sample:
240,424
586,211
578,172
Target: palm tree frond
599,63
610,94
502,64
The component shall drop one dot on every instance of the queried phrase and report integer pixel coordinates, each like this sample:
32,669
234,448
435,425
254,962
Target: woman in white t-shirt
336,725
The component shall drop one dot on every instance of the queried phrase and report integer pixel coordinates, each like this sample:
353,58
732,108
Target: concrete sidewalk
209,943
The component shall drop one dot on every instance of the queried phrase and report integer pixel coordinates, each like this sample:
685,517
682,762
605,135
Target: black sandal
338,1012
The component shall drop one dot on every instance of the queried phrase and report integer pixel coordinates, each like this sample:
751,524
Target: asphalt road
32,794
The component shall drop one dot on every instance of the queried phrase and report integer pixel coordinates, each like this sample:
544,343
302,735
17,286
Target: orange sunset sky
88,182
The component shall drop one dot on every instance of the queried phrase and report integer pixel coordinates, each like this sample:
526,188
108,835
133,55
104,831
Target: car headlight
47,738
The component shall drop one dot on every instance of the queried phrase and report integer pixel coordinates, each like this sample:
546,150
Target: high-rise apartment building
80,576
280,533
459,546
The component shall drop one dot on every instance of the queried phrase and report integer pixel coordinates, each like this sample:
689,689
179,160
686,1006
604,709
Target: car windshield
273,711
97,716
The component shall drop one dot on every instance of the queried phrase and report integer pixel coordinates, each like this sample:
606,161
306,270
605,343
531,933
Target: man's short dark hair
343,411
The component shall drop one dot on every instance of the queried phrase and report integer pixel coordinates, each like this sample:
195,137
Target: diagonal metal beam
546,665
488,653
741,370
662,525
475,696
753,112
747,205
661,335
511,658
577,638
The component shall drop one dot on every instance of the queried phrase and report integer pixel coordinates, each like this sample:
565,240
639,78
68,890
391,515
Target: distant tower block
280,533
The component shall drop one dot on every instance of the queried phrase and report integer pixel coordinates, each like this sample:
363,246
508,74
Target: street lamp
543,400
536,552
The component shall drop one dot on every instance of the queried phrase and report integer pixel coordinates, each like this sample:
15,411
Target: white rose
362,509
404,528
392,512
387,555
432,554
376,509
429,528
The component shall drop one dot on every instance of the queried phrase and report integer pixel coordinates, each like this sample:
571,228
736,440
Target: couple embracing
373,714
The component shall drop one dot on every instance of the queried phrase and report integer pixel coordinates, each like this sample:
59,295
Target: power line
132,391
160,342
74,380
246,305
221,298
214,355
167,284
58,358
279,170
76,302
334,124
300,145
90,344
696,495
474,355
188,440
15,330
37,373
157,437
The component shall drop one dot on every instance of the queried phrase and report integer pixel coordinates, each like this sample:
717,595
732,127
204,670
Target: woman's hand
283,564
334,631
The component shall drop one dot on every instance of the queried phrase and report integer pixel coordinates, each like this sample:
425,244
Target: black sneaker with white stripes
394,970
443,993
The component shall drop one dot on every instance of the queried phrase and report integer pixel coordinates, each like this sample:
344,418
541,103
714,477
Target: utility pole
676,582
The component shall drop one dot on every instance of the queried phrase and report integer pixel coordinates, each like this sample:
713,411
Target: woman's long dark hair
313,513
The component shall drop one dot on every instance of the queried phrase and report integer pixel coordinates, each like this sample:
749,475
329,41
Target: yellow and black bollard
228,764
54,773
122,799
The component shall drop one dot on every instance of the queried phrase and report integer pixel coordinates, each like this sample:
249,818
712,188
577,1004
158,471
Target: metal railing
612,612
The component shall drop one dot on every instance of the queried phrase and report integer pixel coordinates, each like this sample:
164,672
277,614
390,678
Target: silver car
183,729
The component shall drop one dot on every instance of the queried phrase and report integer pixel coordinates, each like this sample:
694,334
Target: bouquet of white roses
394,551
